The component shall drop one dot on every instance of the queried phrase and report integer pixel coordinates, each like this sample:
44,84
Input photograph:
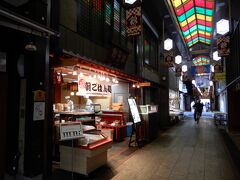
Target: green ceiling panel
193,16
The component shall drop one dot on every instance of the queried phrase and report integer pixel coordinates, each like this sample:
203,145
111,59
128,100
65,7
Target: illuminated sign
93,87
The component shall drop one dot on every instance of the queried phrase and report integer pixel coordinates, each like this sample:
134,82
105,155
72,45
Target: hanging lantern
223,26
130,1
184,68
215,56
210,83
168,44
178,59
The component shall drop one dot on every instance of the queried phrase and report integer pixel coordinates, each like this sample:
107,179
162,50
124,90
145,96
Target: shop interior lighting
107,79
178,59
133,85
71,93
78,93
184,68
195,19
201,60
222,26
138,86
168,44
215,56
74,73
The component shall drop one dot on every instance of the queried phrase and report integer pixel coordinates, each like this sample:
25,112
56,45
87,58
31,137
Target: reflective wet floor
185,151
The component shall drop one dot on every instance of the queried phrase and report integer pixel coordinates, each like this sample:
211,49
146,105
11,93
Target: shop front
96,97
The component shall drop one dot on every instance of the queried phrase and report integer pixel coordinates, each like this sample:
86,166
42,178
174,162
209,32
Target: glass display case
147,109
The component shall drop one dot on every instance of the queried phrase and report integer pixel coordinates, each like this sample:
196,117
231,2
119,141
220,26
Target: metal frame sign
134,110
69,131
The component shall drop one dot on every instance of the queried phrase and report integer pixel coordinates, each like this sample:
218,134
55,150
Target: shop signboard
133,21
200,69
69,131
219,76
93,87
223,45
134,110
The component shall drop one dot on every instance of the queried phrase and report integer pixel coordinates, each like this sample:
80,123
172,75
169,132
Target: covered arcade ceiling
194,19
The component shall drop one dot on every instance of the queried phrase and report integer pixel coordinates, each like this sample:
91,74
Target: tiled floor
186,151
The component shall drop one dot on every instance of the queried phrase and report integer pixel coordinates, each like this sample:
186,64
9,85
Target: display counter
150,121
115,120
85,156
86,117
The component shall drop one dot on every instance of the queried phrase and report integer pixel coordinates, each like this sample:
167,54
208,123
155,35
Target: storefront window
150,48
116,15
108,12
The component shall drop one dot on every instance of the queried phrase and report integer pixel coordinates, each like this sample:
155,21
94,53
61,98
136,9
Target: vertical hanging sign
168,59
133,21
223,44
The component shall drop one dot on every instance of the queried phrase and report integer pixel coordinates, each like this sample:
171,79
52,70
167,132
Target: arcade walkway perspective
186,151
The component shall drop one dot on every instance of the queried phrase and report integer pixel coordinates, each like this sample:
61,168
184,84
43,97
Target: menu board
134,110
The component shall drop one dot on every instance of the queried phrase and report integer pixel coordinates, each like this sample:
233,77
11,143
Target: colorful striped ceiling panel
201,60
195,19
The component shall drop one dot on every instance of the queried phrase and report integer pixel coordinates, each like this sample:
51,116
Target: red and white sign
93,87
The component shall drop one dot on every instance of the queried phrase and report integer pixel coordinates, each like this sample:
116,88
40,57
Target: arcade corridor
186,151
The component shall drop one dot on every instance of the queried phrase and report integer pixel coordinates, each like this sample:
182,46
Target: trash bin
129,129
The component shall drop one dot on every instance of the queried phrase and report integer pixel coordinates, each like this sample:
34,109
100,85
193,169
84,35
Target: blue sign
200,69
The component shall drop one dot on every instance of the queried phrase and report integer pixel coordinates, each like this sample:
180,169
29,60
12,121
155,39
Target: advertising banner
200,69
133,21
93,87
223,44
